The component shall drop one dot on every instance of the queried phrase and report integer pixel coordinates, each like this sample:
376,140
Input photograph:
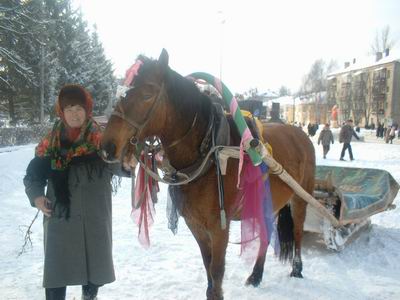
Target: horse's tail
285,234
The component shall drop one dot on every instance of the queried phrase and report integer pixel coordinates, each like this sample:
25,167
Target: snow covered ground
369,268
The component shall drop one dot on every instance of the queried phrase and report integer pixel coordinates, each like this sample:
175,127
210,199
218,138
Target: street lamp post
221,41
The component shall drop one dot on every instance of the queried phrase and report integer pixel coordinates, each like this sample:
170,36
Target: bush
15,136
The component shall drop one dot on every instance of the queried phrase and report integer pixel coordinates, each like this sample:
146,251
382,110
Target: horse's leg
204,242
219,242
258,269
298,207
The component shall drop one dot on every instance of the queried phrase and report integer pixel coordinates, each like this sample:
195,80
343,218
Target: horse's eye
147,97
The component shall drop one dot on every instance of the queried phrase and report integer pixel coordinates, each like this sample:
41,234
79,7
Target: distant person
326,138
345,136
378,130
311,129
372,126
386,134
392,134
316,127
382,131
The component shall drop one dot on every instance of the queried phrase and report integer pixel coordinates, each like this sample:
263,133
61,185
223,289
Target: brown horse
164,104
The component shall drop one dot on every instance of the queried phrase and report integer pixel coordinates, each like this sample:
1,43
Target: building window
388,74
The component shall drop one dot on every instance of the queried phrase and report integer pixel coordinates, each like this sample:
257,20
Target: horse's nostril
109,151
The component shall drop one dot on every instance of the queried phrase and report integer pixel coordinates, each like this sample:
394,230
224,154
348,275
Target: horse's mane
182,92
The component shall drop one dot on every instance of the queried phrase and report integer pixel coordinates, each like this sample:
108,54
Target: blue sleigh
352,196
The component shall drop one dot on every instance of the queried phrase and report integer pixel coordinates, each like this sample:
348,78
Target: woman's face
75,115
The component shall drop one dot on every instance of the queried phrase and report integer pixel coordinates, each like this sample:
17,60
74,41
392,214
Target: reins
176,142
187,178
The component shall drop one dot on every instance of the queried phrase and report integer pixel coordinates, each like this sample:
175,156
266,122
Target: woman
77,203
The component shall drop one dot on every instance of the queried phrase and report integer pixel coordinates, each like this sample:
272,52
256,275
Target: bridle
139,127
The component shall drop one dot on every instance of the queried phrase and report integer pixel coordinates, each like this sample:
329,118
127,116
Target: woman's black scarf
62,153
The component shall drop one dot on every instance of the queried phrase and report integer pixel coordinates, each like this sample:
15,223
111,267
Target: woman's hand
43,204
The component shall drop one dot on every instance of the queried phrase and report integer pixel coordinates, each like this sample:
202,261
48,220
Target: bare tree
382,41
332,66
284,91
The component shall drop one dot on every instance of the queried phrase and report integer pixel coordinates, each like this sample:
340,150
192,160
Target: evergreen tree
16,74
103,83
45,44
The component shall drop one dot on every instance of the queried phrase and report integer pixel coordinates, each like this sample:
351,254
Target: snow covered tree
15,72
45,44
103,83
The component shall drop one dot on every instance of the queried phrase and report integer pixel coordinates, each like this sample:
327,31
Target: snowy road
172,268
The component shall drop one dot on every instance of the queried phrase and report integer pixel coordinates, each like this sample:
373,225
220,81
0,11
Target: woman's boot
89,292
55,293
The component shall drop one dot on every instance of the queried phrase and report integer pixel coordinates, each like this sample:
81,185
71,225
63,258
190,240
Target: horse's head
142,112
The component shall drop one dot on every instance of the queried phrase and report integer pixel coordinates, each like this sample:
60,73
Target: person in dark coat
326,138
378,130
345,136
373,126
77,203
310,129
392,134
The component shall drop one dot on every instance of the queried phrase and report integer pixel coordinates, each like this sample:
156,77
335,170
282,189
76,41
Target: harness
215,140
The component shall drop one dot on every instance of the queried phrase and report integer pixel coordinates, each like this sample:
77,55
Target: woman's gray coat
78,250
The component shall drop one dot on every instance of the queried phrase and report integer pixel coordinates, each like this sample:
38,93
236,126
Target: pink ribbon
233,107
254,231
132,72
245,137
143,216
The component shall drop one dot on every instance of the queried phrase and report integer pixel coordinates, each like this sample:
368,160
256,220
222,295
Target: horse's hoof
296,274
253,280
213,297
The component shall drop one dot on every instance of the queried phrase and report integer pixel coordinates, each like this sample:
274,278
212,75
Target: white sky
265,44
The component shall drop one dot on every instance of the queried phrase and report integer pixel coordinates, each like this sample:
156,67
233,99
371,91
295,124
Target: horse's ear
163,59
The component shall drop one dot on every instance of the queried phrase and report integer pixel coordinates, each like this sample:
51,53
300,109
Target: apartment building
367,93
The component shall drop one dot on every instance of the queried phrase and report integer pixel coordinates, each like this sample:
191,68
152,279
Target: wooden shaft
277,169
